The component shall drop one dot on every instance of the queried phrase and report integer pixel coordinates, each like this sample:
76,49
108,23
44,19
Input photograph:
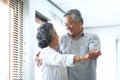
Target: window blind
15,39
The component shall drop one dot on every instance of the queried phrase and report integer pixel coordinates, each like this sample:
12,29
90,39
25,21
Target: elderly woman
52,60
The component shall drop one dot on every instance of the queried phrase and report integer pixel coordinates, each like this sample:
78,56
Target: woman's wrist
83,57
80,58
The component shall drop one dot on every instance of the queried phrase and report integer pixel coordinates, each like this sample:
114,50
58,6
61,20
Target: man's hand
94,54
37,60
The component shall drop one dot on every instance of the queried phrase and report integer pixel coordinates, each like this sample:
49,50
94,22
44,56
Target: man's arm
94,47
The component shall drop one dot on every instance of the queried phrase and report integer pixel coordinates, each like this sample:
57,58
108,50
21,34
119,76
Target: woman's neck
53,46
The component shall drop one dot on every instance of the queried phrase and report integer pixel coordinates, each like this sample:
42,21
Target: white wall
106,69
26,38
118,59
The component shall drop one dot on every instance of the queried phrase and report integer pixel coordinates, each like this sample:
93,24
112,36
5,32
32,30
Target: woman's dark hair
44,36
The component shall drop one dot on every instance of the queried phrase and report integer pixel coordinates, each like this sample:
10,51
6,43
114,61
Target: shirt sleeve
52,57
94,42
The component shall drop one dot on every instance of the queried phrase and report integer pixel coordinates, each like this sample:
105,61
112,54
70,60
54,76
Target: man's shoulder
86,34
63,36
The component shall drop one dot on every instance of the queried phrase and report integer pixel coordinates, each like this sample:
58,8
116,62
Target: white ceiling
95,12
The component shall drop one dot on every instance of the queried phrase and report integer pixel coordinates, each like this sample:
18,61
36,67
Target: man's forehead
65,21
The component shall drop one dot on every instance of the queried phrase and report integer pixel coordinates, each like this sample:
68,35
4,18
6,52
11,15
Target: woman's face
54,37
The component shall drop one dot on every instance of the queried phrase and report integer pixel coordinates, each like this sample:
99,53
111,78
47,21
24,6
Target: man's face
72,27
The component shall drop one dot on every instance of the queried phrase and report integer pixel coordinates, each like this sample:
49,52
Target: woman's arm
79,58
52,57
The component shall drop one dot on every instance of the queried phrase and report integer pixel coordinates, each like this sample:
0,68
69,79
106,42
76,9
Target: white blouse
54,64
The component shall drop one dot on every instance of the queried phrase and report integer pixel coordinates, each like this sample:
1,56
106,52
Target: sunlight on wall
6,27
4,42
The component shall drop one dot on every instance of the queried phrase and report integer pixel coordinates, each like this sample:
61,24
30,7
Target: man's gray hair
76,15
